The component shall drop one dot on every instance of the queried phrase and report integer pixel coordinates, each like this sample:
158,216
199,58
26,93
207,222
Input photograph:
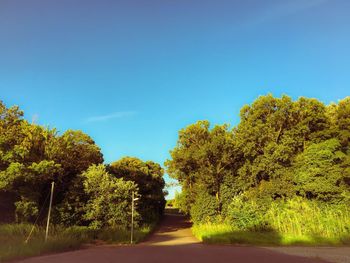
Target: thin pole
48,216
132,217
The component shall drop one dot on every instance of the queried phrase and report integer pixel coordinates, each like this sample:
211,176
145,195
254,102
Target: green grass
307,219
13,236
225,234
295,222
122,236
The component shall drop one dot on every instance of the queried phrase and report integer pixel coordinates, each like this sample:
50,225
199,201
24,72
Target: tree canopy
86,191
148,177
281,148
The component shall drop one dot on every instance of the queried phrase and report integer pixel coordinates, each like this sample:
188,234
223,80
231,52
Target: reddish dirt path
172,243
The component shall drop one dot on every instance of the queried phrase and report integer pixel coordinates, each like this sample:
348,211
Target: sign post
133,199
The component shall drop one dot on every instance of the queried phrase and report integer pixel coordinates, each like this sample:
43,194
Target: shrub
26,211
110,199
183,201
204,209
245,214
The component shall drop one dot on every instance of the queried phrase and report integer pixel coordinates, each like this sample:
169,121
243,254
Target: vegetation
88,196
295,221
148,176
281,176
12,238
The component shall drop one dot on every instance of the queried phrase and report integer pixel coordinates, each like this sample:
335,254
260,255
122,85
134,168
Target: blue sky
132,73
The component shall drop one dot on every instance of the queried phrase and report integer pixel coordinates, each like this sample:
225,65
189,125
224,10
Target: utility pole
48,216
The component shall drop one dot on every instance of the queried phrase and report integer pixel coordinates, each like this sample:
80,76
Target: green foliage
148,177
202,158
280,151
109,203
299,217
245,214
182,201
204,208
319,172
31,157
223,233
12,237
342,122
26,211
273,131
71,210
295,221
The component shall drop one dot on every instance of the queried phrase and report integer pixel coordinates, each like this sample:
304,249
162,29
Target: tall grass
296,221
300,218
224,233
13,236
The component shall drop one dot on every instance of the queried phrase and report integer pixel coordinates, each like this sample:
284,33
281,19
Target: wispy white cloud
114,115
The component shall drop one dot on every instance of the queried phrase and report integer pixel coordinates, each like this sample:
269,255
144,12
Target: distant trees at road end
87,192
282,150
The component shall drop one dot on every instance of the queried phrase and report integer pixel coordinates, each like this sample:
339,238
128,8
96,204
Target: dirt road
173,243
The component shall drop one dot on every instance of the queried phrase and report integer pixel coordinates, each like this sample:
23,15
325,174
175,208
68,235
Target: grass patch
12,237
292,222
122,236
226,234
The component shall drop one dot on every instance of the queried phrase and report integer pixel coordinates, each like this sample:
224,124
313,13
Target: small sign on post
133,199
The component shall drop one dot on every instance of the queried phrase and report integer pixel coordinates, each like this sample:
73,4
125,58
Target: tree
24,167
109,203
11,120
319,171
75,151
280,148
148,176
32,156
271,133
202,159
342,123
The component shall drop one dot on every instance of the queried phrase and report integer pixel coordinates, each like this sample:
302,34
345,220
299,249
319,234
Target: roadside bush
109,203
26,211
245,214
182,201
204,209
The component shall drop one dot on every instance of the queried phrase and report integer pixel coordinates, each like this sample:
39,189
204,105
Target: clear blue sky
132,73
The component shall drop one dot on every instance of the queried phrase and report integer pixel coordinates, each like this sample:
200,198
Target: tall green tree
148,176
201,160
271,133
75,151
280,148
32,156
319,172
109,202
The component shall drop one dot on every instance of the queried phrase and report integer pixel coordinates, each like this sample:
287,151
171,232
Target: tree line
282,149
87,192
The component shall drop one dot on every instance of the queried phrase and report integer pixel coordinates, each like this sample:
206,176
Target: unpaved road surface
173,243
